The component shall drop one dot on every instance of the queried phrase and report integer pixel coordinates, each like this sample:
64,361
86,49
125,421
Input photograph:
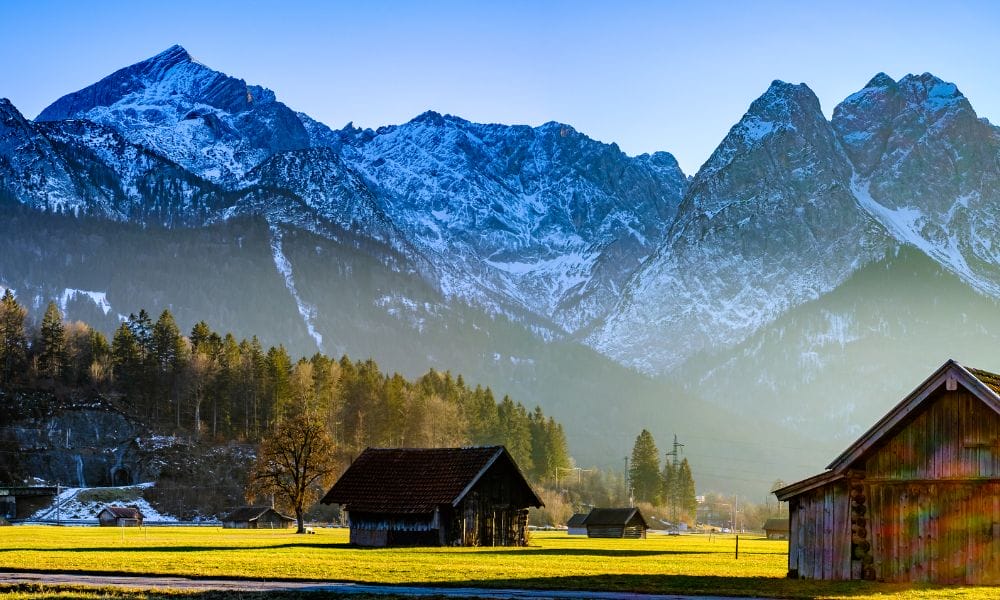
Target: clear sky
647,75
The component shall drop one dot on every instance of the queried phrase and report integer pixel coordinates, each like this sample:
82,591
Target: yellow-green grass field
694,564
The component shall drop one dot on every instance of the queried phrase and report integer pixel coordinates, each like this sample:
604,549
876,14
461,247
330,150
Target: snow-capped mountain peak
215,125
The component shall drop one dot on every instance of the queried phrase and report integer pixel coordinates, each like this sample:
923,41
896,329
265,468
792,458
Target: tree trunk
301,520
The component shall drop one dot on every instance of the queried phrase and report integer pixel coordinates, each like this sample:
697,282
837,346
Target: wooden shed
119,516
256,517
616,523
776,529
577,524
435,497
914,499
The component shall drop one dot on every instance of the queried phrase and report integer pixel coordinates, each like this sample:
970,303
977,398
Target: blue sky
647,75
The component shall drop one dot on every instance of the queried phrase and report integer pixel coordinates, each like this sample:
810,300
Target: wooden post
737,546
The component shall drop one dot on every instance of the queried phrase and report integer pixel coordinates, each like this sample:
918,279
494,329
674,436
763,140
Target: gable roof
985,385
122,512
417,480
252,513
776,524
577,520
612,517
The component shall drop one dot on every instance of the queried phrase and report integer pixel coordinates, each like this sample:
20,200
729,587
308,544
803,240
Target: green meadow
695,564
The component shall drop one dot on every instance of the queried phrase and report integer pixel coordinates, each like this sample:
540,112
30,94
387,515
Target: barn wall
605,531
934,495
942,532
955,437
819,544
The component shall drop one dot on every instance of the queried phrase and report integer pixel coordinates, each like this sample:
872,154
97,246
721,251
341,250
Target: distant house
776,529
916,498
435,497
256,517
576,524
616,523
119,516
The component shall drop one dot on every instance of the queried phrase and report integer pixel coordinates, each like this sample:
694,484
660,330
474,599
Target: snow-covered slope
216,126
768,223
540,224
543,218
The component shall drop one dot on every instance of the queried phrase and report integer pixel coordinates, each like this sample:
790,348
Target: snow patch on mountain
909,224
306,311
100,299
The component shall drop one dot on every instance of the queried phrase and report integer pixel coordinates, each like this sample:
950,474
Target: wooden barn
435,497
916,498
577,524
616,523
119,516
776,529
256,517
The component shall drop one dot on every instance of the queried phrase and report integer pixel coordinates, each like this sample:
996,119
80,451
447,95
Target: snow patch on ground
68,507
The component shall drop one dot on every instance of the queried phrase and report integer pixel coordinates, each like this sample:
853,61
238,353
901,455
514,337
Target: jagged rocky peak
863,121
212,124
786,122
767,224
171,72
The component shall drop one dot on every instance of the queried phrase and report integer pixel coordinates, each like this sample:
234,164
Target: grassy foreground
660,564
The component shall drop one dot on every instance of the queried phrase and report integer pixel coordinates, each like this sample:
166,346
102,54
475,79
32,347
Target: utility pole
58,501
674,456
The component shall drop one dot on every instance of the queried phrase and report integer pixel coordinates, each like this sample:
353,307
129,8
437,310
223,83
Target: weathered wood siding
943,532
934,495
820,533
955,437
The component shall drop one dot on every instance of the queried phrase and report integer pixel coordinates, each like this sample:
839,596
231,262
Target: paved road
236,585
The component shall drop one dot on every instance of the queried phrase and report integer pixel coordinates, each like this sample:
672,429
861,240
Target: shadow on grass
339,546
605,552
698,585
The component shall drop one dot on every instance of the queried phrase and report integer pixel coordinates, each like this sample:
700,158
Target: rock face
768,223
543,219
215,126
927,168
81,447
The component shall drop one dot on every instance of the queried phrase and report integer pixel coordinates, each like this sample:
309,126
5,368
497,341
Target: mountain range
803,279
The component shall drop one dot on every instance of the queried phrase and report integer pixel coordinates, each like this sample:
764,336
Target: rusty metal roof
415,480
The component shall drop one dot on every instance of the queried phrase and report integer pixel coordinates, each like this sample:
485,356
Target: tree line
215,388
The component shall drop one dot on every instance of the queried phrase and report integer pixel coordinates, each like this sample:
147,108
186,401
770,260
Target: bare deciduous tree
295,464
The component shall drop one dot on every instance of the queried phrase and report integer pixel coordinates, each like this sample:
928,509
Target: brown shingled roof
414,480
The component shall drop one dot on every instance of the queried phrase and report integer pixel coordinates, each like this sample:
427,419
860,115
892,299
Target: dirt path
237,585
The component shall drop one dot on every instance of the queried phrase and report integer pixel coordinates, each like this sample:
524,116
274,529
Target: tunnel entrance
121,477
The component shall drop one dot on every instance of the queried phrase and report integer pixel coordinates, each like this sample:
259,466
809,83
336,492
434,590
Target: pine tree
13,340
52,355
644,469
687,498
515,428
